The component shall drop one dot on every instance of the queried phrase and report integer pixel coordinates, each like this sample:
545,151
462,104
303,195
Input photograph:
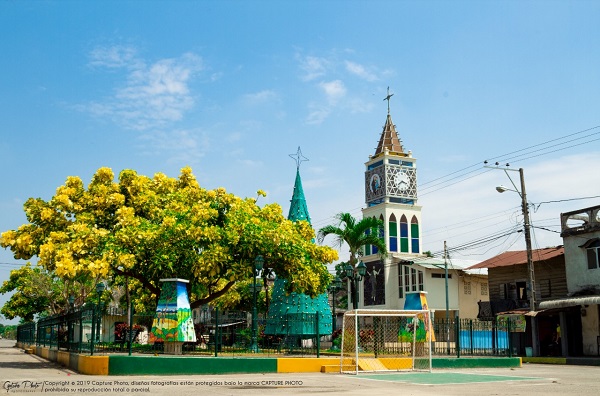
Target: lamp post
355,276
257,267
334,287
530,269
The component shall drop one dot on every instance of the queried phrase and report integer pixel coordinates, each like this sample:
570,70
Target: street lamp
334,287
257,267
530,269
354,276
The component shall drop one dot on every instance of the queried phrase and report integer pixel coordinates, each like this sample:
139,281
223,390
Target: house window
545,288
467,287
440,276
414,280
400,282
484,289
593,253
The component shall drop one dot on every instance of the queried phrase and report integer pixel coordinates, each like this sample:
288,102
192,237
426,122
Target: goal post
386,340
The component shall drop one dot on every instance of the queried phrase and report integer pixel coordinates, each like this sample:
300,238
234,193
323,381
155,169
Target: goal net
386,340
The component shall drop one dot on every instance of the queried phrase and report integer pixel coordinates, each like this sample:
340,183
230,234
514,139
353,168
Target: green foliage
355,234
38,291
8,331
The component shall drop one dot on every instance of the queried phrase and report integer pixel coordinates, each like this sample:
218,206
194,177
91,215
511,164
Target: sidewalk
578,361
16,364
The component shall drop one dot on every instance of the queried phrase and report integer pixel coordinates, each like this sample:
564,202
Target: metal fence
473,337
93,330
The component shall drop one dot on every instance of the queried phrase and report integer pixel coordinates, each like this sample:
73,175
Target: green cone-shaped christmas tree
294,314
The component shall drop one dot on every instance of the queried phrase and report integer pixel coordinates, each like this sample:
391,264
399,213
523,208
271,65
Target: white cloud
114,57
234,137
260,97
317,114
153,95
185,147
313,67
360,71
334,90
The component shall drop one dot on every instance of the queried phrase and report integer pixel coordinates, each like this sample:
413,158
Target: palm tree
356,234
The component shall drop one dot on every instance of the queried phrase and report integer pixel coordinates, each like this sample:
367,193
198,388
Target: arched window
393,233
403,234
374,249
414,234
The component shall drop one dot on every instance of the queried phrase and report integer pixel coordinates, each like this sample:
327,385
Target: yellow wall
304,365
93,365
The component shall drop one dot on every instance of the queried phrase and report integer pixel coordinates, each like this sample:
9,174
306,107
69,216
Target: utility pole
530,264
447,303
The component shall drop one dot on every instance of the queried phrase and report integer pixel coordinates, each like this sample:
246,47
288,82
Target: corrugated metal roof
518,257
570,302
453,264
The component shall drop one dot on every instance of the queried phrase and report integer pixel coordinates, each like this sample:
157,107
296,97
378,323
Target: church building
391,196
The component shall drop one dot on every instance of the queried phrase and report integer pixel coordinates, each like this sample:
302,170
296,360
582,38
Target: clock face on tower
402,180
391,182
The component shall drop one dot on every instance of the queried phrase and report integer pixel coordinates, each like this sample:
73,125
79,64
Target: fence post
494,337
130,334
471,336
216,329
318,336
93,331
457,342
509,335
78,315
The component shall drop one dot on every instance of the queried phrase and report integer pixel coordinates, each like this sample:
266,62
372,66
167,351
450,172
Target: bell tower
391,196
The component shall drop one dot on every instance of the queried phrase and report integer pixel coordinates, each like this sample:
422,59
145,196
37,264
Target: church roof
298,207
389,139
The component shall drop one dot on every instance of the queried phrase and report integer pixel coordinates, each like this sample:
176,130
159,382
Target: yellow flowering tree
146,229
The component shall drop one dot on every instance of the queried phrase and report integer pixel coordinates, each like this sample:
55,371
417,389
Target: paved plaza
23,373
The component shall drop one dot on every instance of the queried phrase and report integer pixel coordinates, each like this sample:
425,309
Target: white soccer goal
386,340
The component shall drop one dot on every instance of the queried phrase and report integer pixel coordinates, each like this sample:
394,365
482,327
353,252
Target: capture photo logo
23,386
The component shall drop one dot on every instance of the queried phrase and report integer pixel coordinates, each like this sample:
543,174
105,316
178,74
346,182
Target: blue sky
231,88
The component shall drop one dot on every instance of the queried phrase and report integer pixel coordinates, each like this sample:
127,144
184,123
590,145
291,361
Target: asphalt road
23,373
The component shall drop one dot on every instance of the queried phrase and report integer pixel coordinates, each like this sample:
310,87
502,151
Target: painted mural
423,327
173,318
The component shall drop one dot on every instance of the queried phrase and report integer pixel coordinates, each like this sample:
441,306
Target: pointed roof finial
388,98
389,139
298,157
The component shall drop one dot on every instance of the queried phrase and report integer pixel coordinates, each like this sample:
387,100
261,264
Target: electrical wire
469,172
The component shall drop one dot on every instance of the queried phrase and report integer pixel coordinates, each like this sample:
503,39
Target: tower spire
389,139
298,207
